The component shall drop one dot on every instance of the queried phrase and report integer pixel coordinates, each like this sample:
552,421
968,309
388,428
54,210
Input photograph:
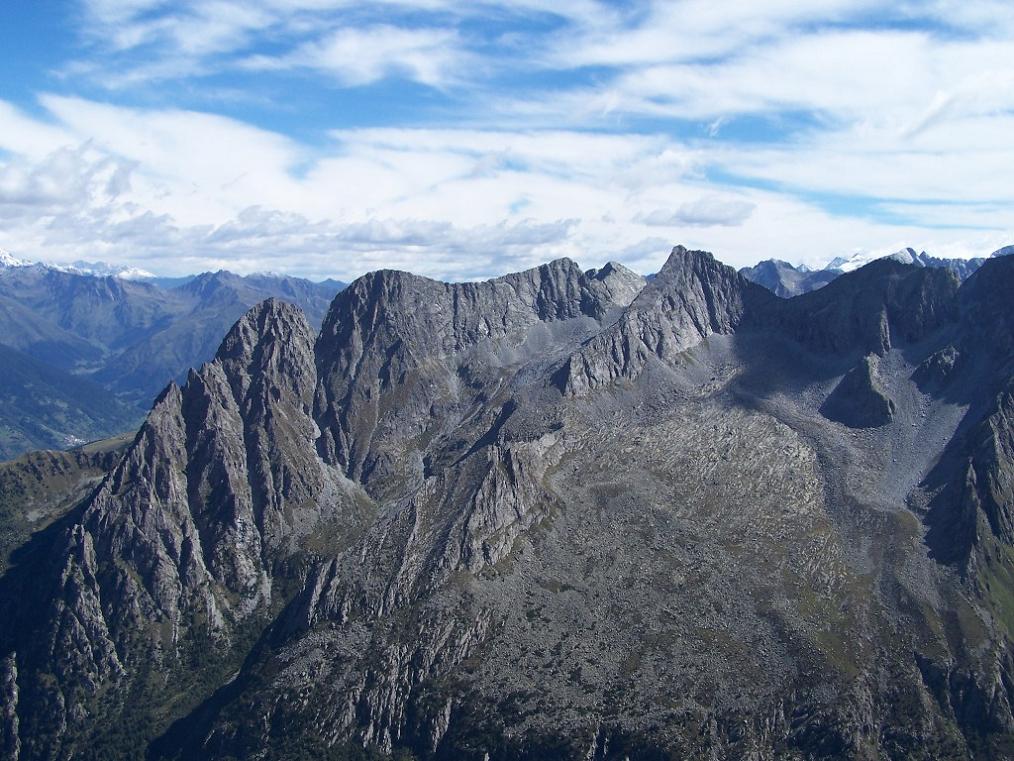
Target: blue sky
463,140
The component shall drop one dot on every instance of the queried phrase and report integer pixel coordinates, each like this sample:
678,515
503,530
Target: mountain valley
87,353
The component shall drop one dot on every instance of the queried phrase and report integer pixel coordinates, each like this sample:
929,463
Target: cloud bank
327,138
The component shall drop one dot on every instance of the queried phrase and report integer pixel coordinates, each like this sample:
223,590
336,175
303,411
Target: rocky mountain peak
184,537
692,296
1005,251
615,284
273,339
396,333
611,268
681,257
272,317
787,280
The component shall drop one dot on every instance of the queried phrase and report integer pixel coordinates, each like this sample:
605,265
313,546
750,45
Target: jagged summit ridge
621,283
788,280
391,330
868,311
693,296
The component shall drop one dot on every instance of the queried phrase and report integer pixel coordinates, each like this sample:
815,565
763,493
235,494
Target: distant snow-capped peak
95,269
7,259
861,258
103,269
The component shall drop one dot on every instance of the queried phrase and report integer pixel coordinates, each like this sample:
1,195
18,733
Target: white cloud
686,30
177,191
66,177
361,56
710,211
133,42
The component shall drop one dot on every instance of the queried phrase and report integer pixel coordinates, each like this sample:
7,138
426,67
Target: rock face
859,400
615,284
178,548
879,306
10,743
691,298
396,347
990,485
970,515
558,514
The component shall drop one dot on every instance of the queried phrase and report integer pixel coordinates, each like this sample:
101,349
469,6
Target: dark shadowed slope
41,487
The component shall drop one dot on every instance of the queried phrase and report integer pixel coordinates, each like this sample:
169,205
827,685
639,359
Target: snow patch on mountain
103,269
862,258
95,269
7,259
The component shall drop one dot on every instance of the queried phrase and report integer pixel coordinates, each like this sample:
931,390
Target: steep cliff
402,356
168,563
692,297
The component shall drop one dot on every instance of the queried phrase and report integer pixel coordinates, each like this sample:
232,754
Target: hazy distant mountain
98,269
104,269
206,306
1005,251
132,336
128,336
554,515
80,267
786,280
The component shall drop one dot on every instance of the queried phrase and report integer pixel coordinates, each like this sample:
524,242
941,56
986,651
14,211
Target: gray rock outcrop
859,400
692,297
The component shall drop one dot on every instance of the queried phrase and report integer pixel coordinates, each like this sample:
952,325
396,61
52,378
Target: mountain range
86,353
560,514
787,280
89,344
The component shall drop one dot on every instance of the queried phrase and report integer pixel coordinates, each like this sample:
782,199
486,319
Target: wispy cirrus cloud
356,57
704,212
